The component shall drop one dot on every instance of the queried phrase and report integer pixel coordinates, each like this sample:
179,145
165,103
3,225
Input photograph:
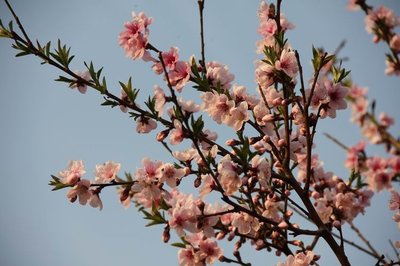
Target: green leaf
178,245
57,183
64,79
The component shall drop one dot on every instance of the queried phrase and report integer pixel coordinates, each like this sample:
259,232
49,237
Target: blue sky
44,124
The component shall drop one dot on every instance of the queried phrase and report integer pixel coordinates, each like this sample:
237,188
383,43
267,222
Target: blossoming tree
272,190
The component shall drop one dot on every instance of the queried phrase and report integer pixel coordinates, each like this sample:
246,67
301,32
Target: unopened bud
315,195
298,243
200,204
73,199
337,224
197,182
253,140
162,135
166,235
341,186
231,236
220,235
278,253
266,138
281,143
283,225
231,142
271,11
237,246
124,194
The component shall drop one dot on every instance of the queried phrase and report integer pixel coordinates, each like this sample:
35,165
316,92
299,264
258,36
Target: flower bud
266,138
231,142
162,135
124,194
166,235
337,224
197,182
220,235
283,225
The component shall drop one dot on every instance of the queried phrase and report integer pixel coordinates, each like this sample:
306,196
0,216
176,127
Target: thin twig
203,57
361,236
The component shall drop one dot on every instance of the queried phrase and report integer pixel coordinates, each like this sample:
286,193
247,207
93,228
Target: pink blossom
207,185
150,172
82,87
95,200
180,75
336,94
123,97
273,209
105,173
381,15
170,58
218,106
272,96
262,169
395,43
73,173
145,125
359,108
147,195
159,97
300,259
353,156
209,251
188,257
263,11
80,191
183,213
357,92
188,106
185,156
264,74
352,5
392,68
385,120
170,174
228,176
323,209
237,116
394,163
125,196
394,203
267,28
134,37
287,63
245,223
219,75
240,94
371,132
177,134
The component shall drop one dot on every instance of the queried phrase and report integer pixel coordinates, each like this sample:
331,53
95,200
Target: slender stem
203,58
362,237
336,141
18,22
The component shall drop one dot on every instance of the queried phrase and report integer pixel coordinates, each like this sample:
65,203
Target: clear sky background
44,123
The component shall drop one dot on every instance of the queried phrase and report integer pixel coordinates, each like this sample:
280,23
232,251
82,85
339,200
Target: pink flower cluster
300,259
134,38
382,23
373,128
378,171
328,97
81,188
